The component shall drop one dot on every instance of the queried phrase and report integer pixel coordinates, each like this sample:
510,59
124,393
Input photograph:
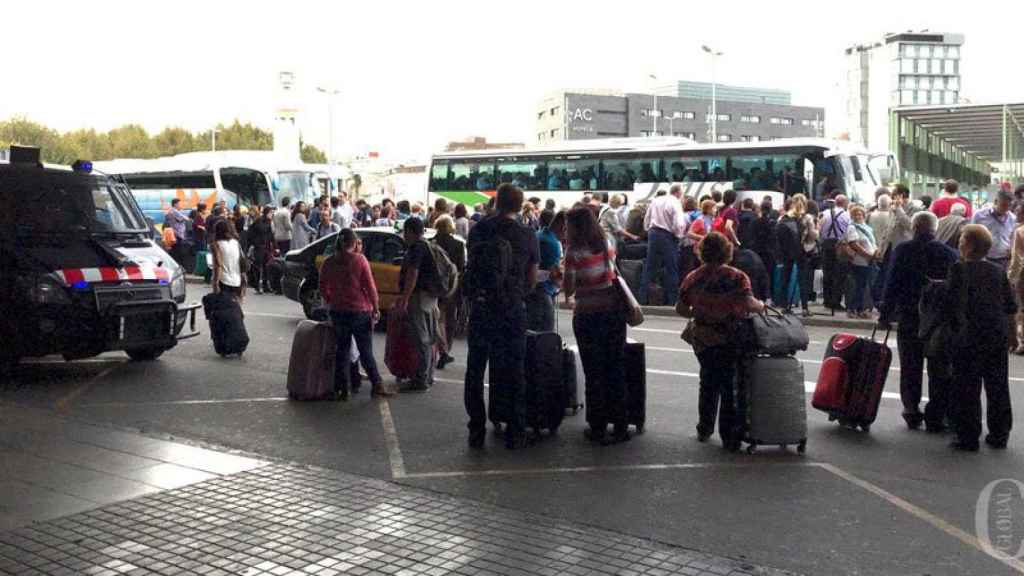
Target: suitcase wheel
639,428
802,446
832,417
865,427
752,448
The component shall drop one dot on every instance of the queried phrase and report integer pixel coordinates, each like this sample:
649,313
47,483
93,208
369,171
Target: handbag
634,314
703,335
776,334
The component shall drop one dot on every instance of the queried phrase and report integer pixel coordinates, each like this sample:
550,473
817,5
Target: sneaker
444,360
618,436
517,441
962,446
913,421
807,313
476,438
996,443
594,435
382,390
415,387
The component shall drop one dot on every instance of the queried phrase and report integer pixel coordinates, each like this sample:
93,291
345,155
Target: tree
313,155
87,144
174,140
237,136
131,141
23,132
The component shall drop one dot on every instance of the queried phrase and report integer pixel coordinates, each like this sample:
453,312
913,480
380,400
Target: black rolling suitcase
545,389
227,323
635,360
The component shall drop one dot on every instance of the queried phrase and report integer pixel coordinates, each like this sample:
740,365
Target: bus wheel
144,354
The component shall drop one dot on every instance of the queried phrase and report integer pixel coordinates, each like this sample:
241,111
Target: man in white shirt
342,211
664,222
282,226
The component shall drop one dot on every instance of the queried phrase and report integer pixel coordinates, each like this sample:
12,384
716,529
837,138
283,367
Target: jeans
973,368
540,311
601,337
912,358
421,319
499,338
805,277
862,276
718,370
357,325
834,275
662,255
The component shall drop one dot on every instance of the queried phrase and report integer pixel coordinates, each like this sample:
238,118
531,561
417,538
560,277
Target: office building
906,69
725,93
589,114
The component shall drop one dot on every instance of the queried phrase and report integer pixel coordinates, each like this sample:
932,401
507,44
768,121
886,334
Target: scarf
866,231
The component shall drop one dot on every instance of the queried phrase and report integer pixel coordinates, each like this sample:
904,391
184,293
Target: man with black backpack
501,271
421,284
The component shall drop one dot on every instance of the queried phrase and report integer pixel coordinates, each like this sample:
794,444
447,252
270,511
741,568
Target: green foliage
132,141
313,155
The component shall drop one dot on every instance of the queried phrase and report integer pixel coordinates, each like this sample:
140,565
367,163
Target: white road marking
391,439
55,361
186,402
922,514
269,315
62,404
585,469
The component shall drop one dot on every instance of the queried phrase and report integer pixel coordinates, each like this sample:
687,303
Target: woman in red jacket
347,287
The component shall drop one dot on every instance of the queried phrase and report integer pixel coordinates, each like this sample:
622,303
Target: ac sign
585,114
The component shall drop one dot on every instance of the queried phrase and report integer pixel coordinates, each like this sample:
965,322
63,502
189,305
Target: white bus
249,178
639,167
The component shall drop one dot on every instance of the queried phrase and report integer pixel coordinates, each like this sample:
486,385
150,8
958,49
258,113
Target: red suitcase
852,379
401,355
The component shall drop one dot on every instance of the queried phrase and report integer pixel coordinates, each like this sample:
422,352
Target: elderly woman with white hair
951,224
611,222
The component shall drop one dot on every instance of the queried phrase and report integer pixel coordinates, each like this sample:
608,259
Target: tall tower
286,129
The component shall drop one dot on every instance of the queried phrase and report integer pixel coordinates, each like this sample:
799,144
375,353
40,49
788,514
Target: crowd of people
717,260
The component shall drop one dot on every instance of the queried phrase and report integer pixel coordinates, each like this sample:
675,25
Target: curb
192,279
818,321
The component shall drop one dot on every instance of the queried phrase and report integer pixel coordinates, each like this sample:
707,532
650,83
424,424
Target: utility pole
714,88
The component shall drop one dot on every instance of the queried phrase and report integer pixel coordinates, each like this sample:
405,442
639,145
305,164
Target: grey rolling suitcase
776,403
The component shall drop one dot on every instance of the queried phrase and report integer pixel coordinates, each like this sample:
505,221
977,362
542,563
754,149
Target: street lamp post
330,131
213,139
654,109
714,87
671,119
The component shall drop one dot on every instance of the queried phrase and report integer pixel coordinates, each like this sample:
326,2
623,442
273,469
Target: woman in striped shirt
599,323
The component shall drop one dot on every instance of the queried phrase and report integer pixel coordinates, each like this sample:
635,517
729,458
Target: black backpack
491,277
788,235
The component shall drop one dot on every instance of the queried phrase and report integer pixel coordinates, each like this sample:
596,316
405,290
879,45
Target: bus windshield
294,185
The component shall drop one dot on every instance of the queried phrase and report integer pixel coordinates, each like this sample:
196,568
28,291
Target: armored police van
79,272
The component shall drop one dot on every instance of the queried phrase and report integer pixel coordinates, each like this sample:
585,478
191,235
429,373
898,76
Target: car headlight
178,285
43,289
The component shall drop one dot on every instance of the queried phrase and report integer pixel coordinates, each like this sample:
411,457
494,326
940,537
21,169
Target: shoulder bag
634,314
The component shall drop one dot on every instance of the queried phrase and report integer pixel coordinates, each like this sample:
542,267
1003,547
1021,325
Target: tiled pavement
280,520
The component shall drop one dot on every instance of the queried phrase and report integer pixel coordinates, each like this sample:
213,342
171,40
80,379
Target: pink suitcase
311,367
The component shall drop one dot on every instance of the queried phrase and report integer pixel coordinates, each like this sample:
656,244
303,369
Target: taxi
383,247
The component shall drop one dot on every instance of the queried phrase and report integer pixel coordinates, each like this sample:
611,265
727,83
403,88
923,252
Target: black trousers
349,326
912,366
718,393
601,337
974,368
834,275
497,338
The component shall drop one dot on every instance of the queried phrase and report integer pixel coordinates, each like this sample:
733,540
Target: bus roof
612,145
262,160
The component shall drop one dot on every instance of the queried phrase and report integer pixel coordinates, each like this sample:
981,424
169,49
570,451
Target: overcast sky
416,74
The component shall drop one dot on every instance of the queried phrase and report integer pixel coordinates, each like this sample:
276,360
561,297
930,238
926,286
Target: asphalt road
888,502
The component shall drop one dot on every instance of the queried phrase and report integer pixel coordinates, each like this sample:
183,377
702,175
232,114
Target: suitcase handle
874,331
